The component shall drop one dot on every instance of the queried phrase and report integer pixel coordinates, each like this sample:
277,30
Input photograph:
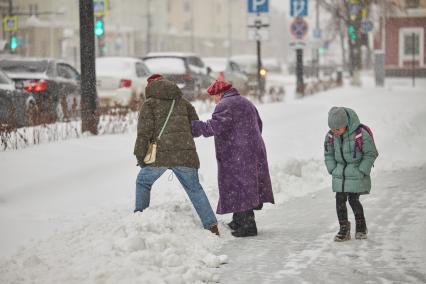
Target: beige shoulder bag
152,148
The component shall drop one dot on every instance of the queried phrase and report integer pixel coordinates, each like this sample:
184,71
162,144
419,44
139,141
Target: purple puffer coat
243,174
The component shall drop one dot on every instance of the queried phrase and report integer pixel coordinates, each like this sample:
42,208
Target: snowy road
66,208
295,242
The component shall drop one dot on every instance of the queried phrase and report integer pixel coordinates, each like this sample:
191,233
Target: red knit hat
218,87
154,77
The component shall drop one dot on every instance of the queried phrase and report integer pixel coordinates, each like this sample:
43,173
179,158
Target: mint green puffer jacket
350,174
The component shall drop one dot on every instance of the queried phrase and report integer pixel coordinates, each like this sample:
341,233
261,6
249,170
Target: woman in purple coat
243,174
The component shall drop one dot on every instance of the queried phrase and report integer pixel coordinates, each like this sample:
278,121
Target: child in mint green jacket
349,152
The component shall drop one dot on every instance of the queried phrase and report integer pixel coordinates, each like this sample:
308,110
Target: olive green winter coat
176,146
350,174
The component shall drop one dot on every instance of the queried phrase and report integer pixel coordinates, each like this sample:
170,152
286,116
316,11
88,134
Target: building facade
404,39
50,28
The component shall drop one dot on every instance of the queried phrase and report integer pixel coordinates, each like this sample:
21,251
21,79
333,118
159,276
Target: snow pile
298,178
164,244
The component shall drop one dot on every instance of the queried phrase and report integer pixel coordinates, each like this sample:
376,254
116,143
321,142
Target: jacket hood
353,120
163,89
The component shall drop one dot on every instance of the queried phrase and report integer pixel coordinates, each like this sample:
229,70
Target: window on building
412,4
186,6
411,44
187,26
169,6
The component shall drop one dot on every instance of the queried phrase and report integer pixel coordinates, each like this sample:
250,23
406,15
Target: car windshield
15,66
216,64
247,64
165,65
113,67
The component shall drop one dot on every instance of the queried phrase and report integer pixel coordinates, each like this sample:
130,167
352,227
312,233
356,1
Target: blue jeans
188,177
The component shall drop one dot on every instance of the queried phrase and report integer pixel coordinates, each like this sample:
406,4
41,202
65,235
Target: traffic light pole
259,67
89,117
100,35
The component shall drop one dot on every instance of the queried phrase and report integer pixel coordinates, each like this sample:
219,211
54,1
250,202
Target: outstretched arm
221,121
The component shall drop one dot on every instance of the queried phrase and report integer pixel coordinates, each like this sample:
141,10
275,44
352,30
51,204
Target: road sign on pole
258,6
299,28
258,34
10,24
366,26
299,8
100,7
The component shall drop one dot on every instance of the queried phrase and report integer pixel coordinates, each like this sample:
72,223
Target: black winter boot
361,229
233,225
244,224
344,233
247,230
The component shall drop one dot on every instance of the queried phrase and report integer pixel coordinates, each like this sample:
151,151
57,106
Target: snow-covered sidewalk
295,242
66,207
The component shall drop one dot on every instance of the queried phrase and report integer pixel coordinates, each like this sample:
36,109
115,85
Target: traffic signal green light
99,27
352,32
13,42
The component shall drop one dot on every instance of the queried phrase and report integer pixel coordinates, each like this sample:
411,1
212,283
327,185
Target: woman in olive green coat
350,153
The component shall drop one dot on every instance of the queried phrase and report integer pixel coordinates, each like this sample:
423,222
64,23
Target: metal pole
10,15
317,66
89,118
148,26
259,66
414,58
300,88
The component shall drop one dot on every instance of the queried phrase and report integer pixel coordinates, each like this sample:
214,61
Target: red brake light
36,86
125,83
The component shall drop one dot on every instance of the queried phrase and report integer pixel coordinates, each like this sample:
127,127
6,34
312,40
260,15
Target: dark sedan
54,84
17,107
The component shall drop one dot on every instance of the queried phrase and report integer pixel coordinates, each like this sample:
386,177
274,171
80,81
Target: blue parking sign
299,8
258,6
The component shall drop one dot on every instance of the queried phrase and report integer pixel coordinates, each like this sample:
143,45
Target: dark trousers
342,212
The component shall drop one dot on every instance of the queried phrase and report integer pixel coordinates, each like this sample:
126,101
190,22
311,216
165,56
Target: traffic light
352,32
99,27
13,42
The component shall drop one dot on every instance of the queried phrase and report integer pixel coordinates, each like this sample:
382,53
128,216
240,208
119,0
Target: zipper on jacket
344,163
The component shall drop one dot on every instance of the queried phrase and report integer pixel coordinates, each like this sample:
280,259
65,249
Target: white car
121,81
228,70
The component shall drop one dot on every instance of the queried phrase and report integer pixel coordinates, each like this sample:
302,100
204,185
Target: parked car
226,69
17,107
54,84
186,69
248,63
121,81
272,65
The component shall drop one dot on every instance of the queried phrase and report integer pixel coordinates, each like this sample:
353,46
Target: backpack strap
359,141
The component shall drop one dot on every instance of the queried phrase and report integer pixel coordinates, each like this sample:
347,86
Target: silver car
225,69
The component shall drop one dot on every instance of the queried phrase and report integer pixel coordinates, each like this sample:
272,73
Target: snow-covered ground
66,207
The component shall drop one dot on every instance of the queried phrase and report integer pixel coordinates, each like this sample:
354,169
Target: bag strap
167,120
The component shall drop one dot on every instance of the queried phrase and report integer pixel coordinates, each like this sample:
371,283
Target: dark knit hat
337,118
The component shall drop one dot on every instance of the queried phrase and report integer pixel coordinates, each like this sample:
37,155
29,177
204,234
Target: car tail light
36,86
125,83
